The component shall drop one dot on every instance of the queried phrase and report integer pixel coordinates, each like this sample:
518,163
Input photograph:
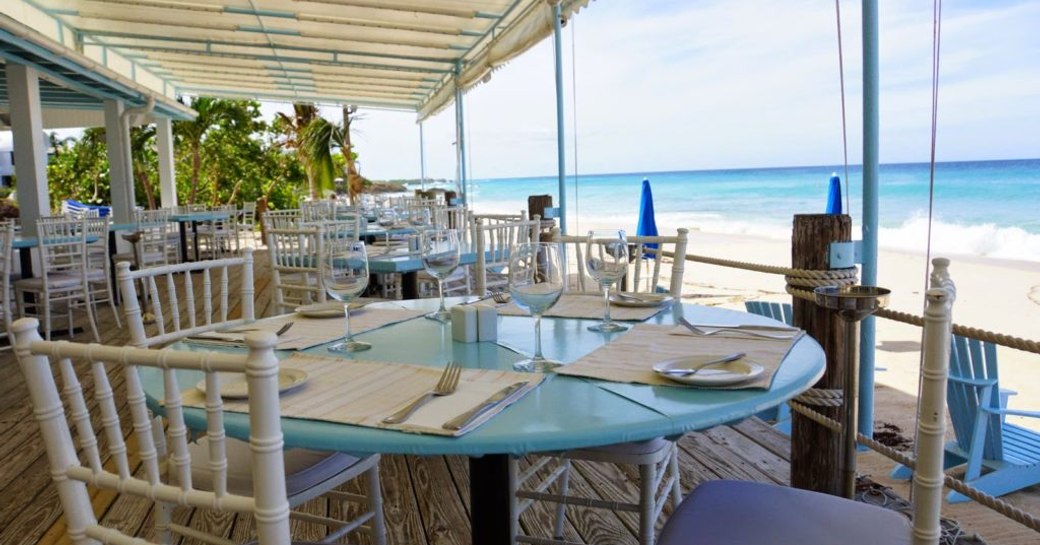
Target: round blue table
563,413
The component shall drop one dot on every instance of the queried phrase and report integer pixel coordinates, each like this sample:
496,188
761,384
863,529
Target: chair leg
673,464
375,504
646,503
561,507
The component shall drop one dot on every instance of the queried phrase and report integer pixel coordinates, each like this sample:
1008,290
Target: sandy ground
996,295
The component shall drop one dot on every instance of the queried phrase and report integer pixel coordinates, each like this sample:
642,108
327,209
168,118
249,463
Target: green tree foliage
227,155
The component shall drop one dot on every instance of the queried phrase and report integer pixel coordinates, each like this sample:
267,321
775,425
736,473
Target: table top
562,413
403,262
208,215
21,242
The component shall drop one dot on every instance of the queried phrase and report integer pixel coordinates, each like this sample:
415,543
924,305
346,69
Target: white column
30,146
167,178
120,172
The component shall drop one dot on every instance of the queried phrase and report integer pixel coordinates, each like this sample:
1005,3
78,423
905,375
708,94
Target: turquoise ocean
981,208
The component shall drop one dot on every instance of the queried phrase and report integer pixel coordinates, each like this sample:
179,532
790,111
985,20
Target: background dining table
563,413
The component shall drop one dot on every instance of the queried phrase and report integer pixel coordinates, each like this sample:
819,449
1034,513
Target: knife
464,419
748,326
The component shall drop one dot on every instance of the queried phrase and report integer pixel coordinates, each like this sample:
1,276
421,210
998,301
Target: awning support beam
561,162
871,145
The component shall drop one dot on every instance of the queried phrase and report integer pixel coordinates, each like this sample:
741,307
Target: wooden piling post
536,205
816,451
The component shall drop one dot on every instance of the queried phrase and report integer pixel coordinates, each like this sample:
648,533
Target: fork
500,297
278,333
753,333
445,386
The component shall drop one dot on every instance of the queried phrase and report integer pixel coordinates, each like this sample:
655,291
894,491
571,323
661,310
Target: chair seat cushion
304,468
747,513
56,280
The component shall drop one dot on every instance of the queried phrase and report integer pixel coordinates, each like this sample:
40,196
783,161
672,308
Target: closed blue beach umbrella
834,195
647,226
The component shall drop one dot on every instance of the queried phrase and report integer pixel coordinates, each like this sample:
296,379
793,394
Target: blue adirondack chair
984,440
784,313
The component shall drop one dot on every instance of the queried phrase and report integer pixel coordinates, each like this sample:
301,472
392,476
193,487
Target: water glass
606,258
344,271
440,258
536,284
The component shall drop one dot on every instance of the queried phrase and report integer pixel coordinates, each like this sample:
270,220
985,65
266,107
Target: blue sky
736,83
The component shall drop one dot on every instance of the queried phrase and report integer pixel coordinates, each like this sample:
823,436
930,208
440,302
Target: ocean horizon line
833,167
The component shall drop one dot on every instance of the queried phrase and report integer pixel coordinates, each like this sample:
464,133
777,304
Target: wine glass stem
346,314
538,337
606,303
440,290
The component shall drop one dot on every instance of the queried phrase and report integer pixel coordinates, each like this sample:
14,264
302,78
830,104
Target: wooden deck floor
426,498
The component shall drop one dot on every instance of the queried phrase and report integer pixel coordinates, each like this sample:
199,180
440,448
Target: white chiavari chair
492,242
77,464
657,459
99,267
6,261
63,280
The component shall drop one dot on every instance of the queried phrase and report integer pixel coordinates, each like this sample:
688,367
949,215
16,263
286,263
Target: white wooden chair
182,304
245,225
295,254
63,280
99,267
217,237
657,459
492,242
6,260
155,241
736,513
310,474
76,464
646,254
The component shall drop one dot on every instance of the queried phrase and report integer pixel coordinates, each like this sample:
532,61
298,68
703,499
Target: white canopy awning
399,54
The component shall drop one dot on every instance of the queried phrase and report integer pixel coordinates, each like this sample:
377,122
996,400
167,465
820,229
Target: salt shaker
487,323
464,323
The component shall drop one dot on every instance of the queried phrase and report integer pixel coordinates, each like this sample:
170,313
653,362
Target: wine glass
344,271
536,283
440,257
419,217
606,257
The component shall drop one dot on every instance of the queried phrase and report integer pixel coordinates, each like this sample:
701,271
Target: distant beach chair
984,440
783,312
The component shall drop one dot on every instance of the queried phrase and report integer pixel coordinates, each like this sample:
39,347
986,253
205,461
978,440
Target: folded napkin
309,332
631,357
573,305
362,393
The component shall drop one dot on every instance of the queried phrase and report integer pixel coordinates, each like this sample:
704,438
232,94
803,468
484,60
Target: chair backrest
97,251
247,216
281,219
454,217
491,219
974,385
63,245
647,255
645,272
492,243
295,253
76,464
777,311
154,230
175,300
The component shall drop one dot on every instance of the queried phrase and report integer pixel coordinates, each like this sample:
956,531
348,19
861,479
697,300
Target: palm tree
302,132
320,137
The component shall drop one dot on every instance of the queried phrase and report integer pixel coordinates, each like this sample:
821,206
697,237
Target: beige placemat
364,392
309,332
572,305
631,357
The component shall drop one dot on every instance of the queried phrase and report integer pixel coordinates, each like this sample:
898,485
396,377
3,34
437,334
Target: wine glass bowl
535,284
386,218
440,257
344,271
606,258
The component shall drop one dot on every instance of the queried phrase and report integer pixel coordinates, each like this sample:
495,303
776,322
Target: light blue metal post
460,139
871,144
422,160
561,166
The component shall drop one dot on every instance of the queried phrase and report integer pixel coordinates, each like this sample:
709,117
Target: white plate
326,310
644,300
723,374
233,385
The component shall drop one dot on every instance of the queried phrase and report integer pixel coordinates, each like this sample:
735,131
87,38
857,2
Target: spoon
691,370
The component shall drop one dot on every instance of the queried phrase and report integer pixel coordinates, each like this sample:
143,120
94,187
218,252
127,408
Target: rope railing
798,279
996,504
